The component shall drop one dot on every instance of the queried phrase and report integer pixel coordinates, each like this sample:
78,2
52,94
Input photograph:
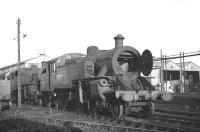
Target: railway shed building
174,75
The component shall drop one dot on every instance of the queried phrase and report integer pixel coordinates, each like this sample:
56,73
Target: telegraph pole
19,77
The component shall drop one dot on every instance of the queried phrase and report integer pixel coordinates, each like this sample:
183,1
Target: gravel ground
10,121
23,125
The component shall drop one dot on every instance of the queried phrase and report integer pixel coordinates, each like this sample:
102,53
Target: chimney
119,41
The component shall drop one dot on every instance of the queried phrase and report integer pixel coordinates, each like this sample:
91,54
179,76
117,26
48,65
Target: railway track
189,123
181,113
104,123
185,125
100,123
107,125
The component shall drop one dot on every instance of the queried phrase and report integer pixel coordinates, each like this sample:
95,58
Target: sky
70,26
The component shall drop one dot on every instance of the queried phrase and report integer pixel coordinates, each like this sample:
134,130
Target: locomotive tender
101,80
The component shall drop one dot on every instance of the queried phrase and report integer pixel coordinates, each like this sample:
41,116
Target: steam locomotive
29,78
112,80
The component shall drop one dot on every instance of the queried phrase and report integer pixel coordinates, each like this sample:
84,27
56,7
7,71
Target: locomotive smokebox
124,61
119,41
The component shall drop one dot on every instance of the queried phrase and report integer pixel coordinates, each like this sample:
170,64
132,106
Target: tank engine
29,84
101,80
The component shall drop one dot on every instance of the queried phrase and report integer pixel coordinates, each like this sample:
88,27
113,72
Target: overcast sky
66,26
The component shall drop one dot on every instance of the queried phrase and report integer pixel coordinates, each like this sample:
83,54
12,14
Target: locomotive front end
123,85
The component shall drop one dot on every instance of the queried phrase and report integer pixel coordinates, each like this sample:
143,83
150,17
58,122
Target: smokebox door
146,62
